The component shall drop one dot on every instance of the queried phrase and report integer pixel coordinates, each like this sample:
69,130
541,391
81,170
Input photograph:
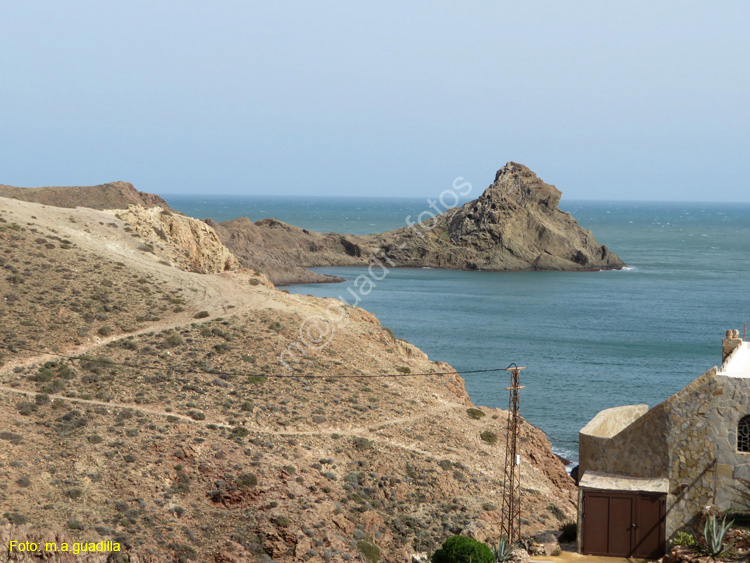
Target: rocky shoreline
515,225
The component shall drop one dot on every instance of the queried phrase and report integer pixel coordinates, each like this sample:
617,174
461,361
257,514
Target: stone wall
639,450
690,439
704,461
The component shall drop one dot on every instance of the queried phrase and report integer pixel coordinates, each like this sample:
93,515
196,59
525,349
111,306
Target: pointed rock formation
514,225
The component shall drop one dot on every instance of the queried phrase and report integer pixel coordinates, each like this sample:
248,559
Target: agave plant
503,550
714,533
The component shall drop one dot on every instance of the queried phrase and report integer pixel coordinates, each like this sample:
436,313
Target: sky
627,100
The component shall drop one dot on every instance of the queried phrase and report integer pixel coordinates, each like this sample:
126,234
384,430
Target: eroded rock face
514,225
186,242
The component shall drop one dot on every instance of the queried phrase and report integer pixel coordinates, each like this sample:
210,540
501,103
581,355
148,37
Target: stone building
646,474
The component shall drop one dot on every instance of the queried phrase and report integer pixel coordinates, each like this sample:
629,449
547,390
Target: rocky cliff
514,225
185,242
282,251
114,195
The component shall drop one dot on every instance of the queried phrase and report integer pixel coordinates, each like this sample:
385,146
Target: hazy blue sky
607,100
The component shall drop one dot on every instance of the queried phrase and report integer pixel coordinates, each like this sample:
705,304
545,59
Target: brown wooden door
621,508
650,531
595,524
623,524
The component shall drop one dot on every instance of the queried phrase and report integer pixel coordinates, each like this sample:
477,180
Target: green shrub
369,551
256,379
246,480
403,369
73,493
25,408
15,518
197,415
174,340
201,315
462,549
12,437
222,347
684,539
557,512
362,444
476,414
129,344
74,524
106,330
489,437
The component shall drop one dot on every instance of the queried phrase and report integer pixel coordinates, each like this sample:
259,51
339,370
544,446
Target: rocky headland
514,225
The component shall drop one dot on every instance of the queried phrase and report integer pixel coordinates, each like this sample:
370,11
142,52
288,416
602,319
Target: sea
588,340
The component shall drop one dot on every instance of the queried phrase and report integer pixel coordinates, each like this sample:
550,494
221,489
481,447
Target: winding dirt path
229,293
359,431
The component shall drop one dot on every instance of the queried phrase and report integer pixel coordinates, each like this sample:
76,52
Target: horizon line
461,201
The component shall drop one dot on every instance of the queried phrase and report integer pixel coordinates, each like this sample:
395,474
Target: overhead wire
266,375
238,374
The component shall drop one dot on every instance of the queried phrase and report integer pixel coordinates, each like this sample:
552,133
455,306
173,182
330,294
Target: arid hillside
144,402
114,195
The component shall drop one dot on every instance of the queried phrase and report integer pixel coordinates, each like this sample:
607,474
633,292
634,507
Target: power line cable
274,375
551,437
236,374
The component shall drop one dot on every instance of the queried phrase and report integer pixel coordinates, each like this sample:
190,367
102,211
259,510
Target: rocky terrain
283,251
514,225
142,400
115,195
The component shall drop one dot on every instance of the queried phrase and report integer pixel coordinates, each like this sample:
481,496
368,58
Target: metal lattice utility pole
511,509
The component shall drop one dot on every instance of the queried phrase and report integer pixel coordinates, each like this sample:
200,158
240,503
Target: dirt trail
359,431
102,234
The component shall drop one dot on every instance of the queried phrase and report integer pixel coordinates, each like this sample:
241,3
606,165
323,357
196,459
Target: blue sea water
589,341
